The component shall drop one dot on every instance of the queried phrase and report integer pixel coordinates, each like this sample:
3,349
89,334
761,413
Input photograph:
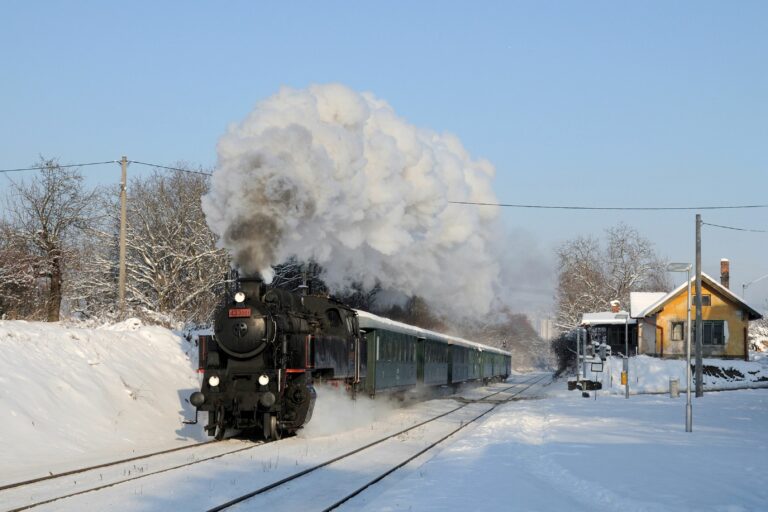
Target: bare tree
590,275
174,267
45,212
18,290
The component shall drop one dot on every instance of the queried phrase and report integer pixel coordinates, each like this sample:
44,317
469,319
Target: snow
609,454
370,321
639,301
605,318
73,396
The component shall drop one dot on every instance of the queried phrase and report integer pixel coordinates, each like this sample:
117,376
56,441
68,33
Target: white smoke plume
330,174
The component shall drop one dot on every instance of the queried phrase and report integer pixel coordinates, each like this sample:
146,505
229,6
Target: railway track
285,494
273,473
31,493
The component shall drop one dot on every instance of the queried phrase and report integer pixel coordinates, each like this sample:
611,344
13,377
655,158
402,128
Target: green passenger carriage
401,356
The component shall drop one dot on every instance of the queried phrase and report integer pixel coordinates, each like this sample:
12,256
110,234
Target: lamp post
686,267
746,285
625,376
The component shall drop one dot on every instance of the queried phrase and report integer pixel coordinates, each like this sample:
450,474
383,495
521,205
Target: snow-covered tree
174,269
18,290
45,214
592,275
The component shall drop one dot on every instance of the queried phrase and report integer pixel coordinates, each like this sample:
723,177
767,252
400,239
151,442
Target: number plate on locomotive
239,312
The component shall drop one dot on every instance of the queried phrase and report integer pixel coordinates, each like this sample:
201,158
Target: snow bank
651,375
73,396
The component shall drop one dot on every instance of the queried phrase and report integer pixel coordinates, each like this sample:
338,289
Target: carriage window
333,317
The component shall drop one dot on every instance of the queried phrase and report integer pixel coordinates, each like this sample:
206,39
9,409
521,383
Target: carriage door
421,347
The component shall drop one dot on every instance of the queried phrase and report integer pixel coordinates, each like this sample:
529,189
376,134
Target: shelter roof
605,318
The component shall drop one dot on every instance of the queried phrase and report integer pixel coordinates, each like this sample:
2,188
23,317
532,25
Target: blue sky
590,103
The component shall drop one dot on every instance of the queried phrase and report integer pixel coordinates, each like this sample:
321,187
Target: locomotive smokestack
252,286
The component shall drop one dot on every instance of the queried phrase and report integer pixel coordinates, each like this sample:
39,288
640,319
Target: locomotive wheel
219,432
271,430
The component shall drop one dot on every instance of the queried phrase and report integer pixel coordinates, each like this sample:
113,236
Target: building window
713,332
706,299
677,331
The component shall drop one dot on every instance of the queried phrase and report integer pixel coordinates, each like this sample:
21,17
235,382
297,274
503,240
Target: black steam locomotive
269,345
259,364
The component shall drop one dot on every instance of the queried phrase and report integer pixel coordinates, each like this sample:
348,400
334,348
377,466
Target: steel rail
99,466
309,470
423,451
117,482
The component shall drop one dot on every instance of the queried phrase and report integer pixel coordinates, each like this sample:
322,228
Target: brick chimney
725,272
615,306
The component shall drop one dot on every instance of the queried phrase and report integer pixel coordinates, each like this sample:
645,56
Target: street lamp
746,285
686,267
625,316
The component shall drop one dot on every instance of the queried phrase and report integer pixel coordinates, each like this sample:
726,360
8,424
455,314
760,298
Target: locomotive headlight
263,380
213,381
239,297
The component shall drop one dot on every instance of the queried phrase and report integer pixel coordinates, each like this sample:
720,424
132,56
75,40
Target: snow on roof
370,321
654,307
605,318
639,301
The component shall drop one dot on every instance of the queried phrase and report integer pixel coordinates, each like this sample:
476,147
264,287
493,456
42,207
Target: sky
596,104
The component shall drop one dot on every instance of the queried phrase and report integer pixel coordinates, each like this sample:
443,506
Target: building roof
661,301
639,301
605,318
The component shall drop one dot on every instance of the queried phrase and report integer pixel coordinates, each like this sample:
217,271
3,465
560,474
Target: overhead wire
474,203
58,166
733,228
613,208
170,168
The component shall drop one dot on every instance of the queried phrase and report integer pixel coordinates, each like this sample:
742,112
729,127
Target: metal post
626,351
578,354
699,323
123,215
688,406
584,350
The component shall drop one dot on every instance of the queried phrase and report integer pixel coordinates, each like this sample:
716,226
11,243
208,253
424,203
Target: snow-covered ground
72,397
567,453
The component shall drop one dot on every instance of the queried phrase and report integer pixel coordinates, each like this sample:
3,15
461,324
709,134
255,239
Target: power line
43,167
735,229
170,168
57,166
614,208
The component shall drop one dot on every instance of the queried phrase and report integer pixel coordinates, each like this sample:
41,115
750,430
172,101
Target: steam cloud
333,175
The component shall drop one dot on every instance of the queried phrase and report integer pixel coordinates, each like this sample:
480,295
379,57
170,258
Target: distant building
656,323
662,317
547,329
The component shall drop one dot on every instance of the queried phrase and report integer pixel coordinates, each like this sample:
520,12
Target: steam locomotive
269,346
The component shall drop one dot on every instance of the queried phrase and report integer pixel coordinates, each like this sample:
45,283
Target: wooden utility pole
123,210
699,323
